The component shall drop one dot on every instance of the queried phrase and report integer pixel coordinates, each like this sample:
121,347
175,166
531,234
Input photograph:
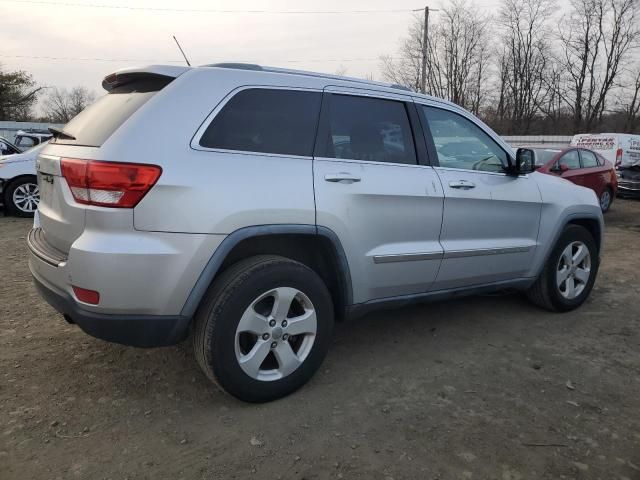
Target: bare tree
630,104
341,71
405,68
457,56
595,37
524,62
61,105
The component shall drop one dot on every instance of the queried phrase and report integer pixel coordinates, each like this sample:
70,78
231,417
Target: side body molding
233,239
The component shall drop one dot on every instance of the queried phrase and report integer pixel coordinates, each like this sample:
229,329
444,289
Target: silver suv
252,206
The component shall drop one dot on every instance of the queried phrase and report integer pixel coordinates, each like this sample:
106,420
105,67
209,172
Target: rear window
266,121
96,123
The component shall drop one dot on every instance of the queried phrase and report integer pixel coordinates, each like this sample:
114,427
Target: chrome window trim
373,162
502,174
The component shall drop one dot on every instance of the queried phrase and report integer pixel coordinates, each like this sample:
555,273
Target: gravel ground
478,388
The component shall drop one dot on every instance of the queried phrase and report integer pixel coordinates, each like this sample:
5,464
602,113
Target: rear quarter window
264,120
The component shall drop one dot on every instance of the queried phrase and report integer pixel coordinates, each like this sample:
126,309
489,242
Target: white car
18,182
24,140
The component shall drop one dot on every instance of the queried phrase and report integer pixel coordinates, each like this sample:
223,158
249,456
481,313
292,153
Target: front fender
563,203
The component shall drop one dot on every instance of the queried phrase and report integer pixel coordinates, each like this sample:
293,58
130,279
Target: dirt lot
482,388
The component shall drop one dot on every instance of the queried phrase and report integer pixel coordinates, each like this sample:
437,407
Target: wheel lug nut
285,336
284,323
274,344
272,323
265,336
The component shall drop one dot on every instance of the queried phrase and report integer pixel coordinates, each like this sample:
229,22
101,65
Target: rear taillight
108,184
618,157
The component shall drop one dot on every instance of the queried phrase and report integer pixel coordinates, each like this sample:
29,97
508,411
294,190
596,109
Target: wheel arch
592,225
317,247
8,182
590,221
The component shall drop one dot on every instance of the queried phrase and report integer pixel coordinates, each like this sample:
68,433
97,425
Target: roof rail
237,66
256,67
401,87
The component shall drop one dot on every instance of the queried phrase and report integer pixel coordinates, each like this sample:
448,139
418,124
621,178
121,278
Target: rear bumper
628,189
133,330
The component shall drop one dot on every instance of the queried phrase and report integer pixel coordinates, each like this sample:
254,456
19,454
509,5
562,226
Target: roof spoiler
162,74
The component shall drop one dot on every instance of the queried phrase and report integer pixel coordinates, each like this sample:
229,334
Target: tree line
529,69
19,95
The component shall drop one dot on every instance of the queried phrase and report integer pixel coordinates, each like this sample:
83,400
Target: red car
582,167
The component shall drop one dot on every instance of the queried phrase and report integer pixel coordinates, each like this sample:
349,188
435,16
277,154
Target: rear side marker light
108,184
87,296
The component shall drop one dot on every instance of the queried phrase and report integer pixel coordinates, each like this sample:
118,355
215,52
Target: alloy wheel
605,200
574,270
26,197
275,334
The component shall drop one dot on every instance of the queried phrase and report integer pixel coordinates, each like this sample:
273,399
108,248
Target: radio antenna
181,51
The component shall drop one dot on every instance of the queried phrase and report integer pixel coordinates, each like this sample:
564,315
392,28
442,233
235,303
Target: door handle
462,184
341,177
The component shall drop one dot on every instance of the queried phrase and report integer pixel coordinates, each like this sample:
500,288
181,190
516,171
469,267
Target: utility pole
425,40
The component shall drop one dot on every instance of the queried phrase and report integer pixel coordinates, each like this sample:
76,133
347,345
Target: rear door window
371,129
264,120
589,160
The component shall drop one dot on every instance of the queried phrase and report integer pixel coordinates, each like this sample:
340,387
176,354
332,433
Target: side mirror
525,162
559,168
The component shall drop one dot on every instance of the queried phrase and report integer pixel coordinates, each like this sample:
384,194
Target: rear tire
22,196
245,331
606,197
570,272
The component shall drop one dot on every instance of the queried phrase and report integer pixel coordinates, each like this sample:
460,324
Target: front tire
22,197
263,328
570,272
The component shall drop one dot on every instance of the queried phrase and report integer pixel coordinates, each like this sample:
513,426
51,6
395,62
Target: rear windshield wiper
59,133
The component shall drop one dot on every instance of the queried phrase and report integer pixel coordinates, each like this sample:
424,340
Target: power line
143,60
204,10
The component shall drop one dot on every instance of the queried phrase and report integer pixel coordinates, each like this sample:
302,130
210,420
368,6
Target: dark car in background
582,167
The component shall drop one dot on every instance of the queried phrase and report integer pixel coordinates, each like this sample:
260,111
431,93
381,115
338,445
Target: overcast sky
65,30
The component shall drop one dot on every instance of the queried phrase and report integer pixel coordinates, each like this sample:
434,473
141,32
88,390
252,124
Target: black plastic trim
360,309
131,330
215,262
418,134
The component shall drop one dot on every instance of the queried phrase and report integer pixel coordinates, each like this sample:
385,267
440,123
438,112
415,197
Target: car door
568,166
373,192
490,219
593,175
